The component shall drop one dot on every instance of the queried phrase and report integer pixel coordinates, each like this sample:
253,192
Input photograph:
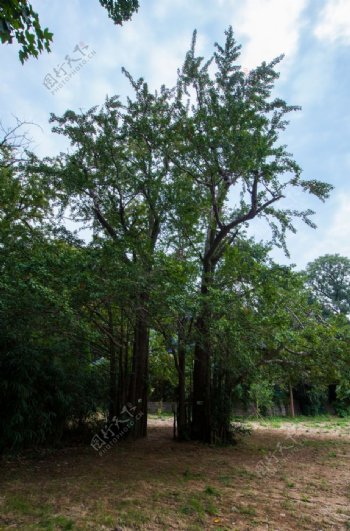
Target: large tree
117,180
228,146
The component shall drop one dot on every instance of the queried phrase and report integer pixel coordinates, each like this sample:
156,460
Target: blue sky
313,34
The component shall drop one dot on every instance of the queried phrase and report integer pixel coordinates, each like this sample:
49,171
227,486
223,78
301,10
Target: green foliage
329,280
19,21
261,393
342,403
121,10
163,377
312,399
231,109
39,395
46,376
266,332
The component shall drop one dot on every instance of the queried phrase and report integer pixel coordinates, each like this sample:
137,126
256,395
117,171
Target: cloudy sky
314,35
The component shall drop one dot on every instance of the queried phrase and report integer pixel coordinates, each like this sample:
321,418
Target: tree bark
121,366
291,400
113,396
201,428
139,377
182,424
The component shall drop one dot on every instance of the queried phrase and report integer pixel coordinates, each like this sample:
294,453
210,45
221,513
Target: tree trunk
121,366
182,425
209,424
291,400
113,396
201,427
139,377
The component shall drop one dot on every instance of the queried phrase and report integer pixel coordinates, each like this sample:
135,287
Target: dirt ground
290,478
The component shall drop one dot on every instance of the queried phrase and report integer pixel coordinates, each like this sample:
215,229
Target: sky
314,35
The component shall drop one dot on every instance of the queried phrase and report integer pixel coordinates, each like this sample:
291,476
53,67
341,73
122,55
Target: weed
188,475
211,491
247,510
305,499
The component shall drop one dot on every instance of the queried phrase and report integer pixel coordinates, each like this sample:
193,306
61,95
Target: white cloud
161,9
334,22
272,27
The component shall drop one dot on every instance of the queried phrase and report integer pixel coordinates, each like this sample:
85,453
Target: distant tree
329,279
19,22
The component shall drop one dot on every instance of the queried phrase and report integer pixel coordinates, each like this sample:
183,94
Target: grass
160,484
244,473
201,504
247,510
16,503
226,480
212,491
190,475
288,504
305,499
41,513
318,421
132,517
161,415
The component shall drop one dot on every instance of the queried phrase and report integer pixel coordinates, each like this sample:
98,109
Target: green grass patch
53,523
133,518
39,515
18,504
201,503
211,491
318,421
247,510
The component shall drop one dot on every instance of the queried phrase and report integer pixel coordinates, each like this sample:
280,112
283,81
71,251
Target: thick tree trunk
201,428
205,427
142,343
139,377
113,397
121,366
182,422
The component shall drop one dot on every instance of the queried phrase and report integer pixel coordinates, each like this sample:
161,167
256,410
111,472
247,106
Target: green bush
39,395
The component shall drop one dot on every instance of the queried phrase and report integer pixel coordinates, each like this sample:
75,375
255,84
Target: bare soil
290,478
